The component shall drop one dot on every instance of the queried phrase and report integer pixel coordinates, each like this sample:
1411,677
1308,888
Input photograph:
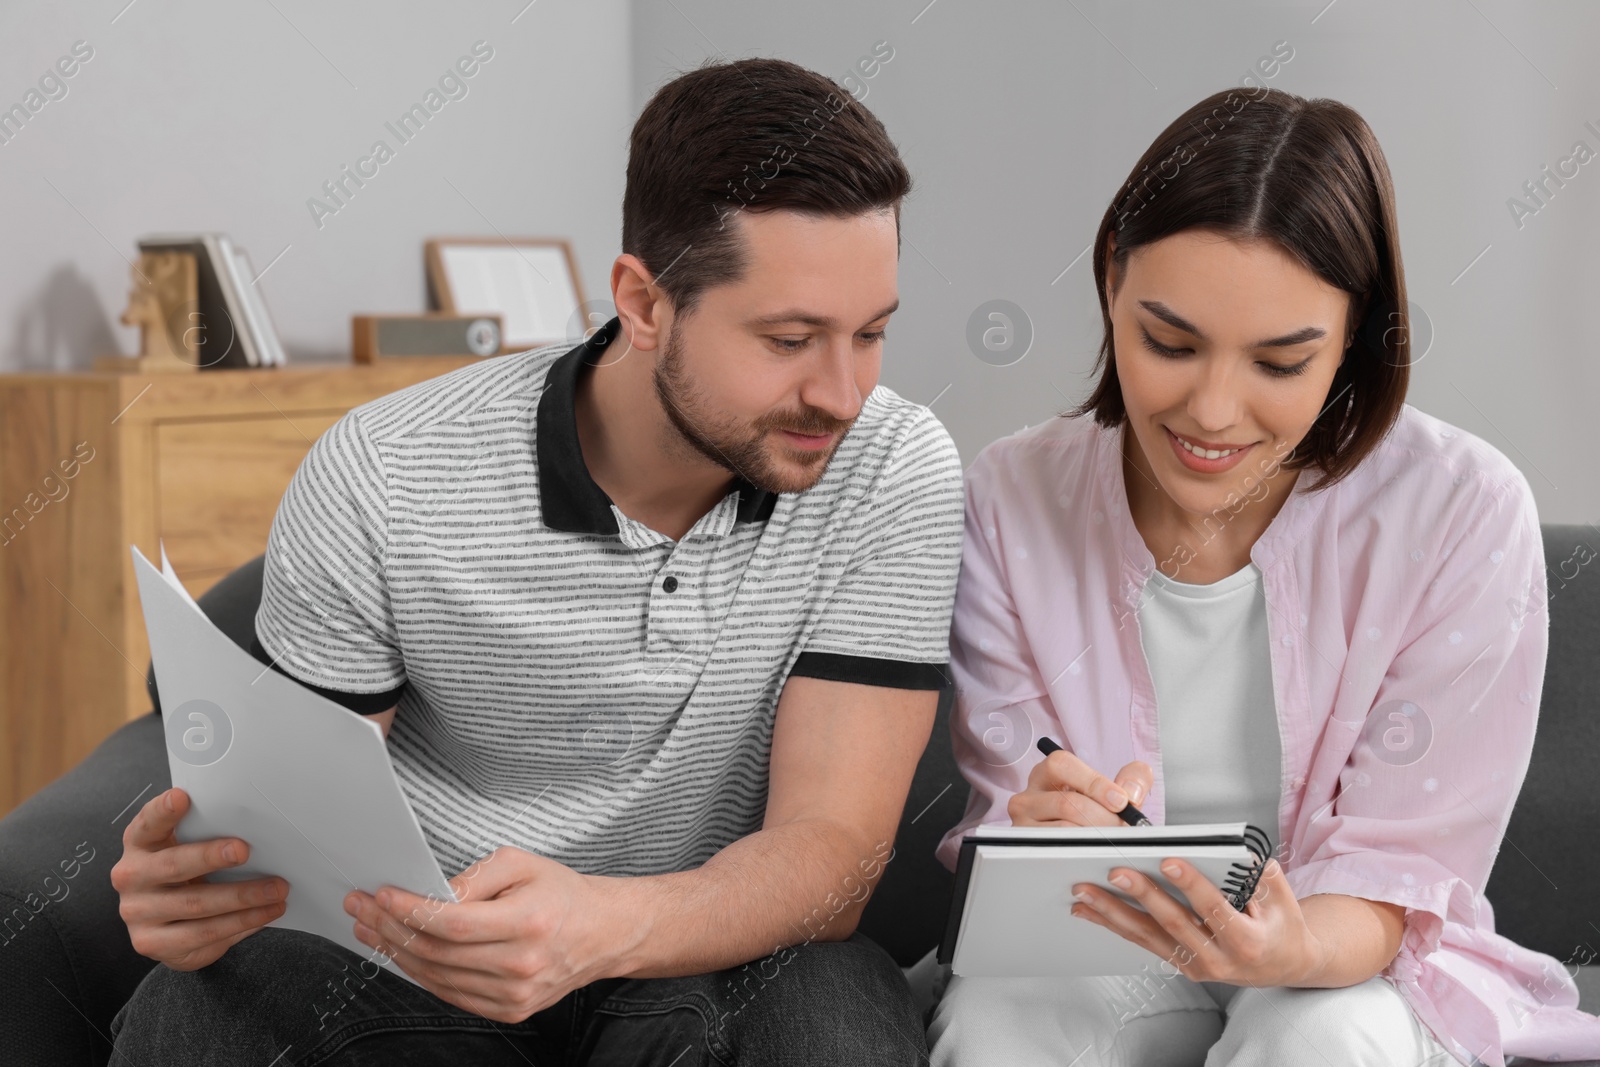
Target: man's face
765,375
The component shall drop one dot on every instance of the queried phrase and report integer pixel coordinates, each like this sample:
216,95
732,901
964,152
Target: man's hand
527,932
173,915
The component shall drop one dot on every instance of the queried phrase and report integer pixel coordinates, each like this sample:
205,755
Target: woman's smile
1206,459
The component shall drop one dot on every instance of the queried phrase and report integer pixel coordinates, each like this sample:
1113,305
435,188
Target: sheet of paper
306,782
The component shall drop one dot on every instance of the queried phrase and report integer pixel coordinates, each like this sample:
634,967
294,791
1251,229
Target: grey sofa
66,965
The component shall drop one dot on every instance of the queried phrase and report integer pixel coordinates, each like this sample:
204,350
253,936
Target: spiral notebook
1011,912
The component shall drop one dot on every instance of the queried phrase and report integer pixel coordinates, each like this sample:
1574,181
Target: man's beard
741,450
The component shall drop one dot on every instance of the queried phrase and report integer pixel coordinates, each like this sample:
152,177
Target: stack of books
229,325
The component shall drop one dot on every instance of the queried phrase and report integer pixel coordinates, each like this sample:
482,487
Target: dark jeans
281,998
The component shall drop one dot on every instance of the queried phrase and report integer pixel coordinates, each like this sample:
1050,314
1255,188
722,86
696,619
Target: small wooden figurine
165,291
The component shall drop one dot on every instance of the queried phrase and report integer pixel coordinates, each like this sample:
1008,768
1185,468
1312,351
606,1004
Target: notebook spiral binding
1243,878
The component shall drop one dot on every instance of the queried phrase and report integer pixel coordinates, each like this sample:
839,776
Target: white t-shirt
1207,647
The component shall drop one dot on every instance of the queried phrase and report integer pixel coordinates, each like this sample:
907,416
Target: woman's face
1225,351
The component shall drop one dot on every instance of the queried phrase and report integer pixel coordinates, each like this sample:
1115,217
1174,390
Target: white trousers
1154,1021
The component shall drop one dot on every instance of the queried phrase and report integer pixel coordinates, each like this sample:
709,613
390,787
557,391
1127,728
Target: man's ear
642,306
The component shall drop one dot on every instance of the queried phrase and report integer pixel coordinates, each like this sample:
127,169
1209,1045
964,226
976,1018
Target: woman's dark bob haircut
1308,175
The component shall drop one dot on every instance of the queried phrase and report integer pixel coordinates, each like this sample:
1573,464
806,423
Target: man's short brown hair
750,135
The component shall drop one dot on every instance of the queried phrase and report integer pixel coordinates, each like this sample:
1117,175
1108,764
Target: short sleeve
1000,692
325,617
1425,796
887,621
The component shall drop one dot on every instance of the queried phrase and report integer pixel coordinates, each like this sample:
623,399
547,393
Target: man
654,627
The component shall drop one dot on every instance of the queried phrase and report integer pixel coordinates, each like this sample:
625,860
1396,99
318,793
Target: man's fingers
478,921
142,870
400,930
151,832
202,900
488,876
173,941
407,943
172,914
156,821
195,859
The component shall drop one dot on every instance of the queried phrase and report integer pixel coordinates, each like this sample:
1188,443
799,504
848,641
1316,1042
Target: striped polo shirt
570,681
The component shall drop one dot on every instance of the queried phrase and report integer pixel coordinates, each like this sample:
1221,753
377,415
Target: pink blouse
1408,642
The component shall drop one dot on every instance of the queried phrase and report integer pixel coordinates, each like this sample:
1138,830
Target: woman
1256,586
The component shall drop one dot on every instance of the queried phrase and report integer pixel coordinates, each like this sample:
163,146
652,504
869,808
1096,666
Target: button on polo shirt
569,680
684,597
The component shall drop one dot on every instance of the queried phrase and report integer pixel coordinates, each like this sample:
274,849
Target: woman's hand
1065,791
1207,940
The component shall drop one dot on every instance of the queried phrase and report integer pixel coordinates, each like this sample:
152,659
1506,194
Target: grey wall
1020,119
230,116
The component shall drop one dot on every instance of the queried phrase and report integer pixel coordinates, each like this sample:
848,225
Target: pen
1130,814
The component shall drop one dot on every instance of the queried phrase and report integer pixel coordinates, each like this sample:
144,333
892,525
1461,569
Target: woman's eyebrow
1173,319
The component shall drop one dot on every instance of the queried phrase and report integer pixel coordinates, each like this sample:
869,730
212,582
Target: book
212,325
230,324
257,319
1011,911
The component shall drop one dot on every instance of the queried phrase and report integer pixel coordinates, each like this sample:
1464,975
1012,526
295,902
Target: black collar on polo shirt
570,498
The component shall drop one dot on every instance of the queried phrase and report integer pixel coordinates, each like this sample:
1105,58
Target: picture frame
530,282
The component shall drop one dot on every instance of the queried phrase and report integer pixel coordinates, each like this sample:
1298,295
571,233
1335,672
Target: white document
1017,919
306,782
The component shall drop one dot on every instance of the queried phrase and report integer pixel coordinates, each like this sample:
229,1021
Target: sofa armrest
66,964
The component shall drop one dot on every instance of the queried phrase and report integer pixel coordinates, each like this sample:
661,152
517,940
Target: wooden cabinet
91,463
